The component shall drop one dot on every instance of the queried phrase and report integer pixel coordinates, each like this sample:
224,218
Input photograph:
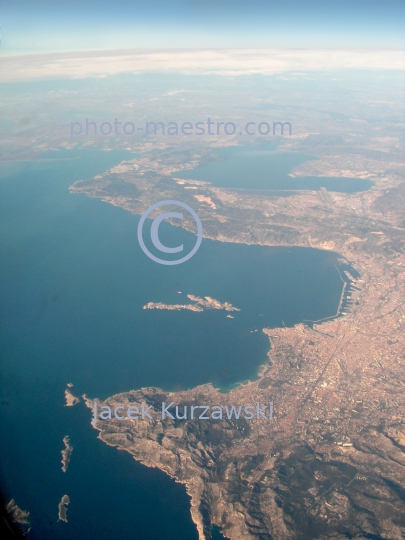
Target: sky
46,25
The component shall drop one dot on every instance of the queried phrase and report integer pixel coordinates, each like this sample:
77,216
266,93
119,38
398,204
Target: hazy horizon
46,26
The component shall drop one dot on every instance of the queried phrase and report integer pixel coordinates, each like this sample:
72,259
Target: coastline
327,380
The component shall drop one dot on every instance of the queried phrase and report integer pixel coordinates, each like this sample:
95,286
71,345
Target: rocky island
62,513
199,304
66,453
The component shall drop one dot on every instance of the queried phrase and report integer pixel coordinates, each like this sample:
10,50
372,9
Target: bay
264,168
73,282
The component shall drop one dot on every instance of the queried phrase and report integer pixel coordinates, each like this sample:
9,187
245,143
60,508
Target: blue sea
73,281
264,168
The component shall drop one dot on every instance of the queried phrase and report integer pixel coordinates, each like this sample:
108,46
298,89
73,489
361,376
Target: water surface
265,168
73,281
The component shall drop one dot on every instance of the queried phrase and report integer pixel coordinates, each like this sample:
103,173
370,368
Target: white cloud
229,62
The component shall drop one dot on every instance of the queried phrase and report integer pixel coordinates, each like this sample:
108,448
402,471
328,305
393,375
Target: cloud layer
228,62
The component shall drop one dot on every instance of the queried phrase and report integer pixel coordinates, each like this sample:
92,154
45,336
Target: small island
17,515
199,304
63,508
71,399
66,453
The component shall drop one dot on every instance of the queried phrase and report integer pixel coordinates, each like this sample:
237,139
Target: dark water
73,281
264,168
216,533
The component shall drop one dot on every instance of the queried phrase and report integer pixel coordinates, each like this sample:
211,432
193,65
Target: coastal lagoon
264,168
73,285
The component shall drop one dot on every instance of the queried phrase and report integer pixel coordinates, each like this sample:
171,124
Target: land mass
17,514
66,453
62,508
332,463
71,400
